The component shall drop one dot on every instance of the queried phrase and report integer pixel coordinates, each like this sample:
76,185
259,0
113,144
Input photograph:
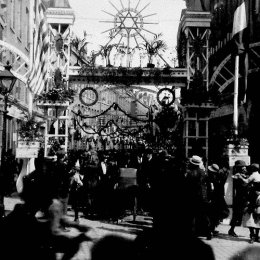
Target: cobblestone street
223,245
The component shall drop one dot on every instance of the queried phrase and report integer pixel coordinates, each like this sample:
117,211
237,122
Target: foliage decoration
154,46
55,146
170,123
30,129
167,118
58,92
57,95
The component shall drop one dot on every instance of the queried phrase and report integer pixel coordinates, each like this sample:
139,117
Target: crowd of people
184,198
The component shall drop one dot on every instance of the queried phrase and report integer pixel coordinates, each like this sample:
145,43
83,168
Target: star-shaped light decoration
128,25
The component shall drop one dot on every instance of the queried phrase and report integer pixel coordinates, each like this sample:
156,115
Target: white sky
89,14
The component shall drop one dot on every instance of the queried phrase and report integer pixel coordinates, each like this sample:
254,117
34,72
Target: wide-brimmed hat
196,160
213,168
240,163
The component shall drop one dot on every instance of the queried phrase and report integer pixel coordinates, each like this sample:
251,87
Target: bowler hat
213,168
196,160
240,163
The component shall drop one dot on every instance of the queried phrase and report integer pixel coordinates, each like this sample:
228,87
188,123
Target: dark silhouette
239,197
114,247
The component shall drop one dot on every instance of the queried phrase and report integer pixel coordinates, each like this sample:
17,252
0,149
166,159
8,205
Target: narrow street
223,245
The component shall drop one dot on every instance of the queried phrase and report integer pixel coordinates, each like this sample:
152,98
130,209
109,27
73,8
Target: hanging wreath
167,98
81,96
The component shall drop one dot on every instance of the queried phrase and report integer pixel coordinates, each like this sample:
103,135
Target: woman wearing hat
198,188
251,219
76,192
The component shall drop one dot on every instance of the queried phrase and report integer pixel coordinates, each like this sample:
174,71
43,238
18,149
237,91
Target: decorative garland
123,132
119,137
115,106
30,129
56,95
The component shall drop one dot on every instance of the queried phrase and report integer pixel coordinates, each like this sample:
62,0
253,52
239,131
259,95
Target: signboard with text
27,152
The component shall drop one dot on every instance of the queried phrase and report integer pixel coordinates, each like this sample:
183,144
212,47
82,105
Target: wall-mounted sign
26,149
88,96
27,152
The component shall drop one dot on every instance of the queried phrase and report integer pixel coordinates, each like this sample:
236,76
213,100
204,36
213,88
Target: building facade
15,37
220,66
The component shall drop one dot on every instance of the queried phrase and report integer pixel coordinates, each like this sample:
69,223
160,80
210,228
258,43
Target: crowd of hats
197,160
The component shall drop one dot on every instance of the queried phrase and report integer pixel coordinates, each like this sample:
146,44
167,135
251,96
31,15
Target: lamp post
7,81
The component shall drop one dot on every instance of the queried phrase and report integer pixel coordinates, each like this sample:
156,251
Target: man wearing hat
148,171
239,196
62,180
76,191
198,186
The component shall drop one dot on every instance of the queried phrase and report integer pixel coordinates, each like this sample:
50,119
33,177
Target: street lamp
7,81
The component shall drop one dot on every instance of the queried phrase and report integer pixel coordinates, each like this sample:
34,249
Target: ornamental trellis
56,99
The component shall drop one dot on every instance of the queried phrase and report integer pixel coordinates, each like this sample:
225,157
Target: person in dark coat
148,170
137,163
24,236
62,179
197,185
239,196
92,175
77,190
172,209
218,206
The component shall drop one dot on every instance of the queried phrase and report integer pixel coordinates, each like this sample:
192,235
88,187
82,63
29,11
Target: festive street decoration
30,130
84,100
114,106
165,97
128,76
29,138
128,27
56,95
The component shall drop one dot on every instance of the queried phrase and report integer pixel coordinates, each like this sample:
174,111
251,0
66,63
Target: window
27,29
202,128
18,90
1,33
20,15
12,14
26,96
192,128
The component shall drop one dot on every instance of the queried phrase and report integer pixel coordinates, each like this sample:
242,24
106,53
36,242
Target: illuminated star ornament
128,25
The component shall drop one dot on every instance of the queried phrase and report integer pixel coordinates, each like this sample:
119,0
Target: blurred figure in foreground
26,236
249,253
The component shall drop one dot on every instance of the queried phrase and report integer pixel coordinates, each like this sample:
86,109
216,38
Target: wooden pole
235,116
